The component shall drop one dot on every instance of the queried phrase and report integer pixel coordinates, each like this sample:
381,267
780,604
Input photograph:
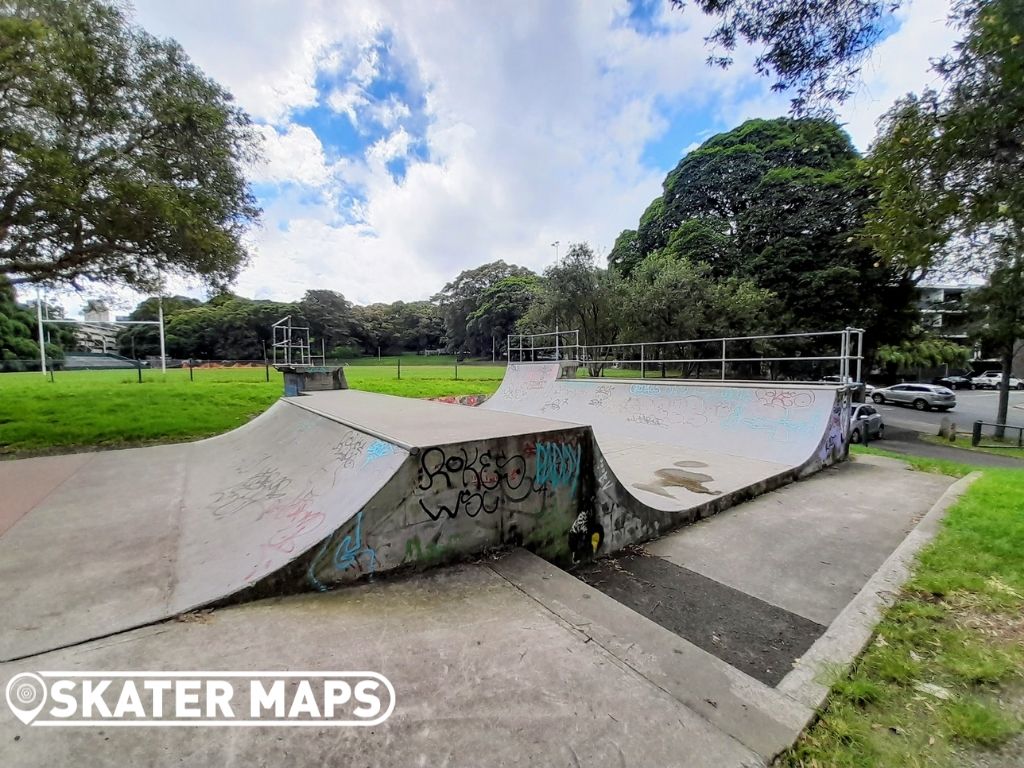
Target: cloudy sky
406,141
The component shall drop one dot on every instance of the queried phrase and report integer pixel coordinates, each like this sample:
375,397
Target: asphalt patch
756,637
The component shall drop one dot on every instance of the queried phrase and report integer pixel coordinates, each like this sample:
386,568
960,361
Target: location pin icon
26,695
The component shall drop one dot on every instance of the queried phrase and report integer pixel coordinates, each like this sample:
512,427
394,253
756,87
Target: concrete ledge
851,630
754,714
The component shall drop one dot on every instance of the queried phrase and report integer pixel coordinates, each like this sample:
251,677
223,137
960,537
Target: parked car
923,397
868,389
992,380
955,381
866,420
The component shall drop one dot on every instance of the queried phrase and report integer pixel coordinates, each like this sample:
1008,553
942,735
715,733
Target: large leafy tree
947,167
461,297
329,315
780,203
670,297
576,294
227,327
120,161
502,305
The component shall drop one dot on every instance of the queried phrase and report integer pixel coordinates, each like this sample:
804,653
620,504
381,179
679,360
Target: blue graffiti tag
346,554
557,464
378,450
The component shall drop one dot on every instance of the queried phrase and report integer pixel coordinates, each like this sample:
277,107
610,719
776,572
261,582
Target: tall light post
557,355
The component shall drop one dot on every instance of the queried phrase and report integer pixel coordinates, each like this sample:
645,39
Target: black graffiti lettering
483,480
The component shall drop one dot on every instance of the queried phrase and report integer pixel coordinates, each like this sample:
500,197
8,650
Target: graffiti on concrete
558,464
260,487
834,443
470,400
378,449
296,523
527,378
677,476
349,449
586,535
482,480
350,553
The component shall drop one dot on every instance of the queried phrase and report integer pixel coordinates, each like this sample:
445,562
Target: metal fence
997,435
789,356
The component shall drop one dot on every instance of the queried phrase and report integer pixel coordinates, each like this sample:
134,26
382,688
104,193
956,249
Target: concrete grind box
304,378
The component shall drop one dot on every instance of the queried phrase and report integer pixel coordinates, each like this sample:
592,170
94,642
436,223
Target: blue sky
406,141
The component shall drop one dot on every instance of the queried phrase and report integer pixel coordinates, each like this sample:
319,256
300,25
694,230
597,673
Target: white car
866,420
992,380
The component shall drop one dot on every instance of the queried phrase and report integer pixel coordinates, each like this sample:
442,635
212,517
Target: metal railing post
860,354
723,359
643,373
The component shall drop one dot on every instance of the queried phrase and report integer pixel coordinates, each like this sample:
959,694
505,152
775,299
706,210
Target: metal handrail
603,353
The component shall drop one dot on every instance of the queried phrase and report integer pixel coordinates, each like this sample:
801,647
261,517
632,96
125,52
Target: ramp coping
412,449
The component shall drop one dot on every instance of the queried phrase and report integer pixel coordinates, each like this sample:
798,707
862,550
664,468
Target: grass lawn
109,409
942,683
964,441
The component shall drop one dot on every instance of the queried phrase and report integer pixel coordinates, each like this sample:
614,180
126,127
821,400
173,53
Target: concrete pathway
514,662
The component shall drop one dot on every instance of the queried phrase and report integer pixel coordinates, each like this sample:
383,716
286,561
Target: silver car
923,397
866,420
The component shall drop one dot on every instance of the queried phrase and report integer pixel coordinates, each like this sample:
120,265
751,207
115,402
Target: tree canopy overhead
120,161
813,47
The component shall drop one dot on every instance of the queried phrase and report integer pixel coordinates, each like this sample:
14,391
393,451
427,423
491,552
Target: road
971,406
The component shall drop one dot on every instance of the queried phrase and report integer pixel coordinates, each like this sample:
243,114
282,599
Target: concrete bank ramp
133,536
320,489
668,452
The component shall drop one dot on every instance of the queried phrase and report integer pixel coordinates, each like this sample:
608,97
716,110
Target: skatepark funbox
328,487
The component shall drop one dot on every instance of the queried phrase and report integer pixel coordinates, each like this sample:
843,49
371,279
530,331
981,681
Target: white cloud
390,148
899,65
533,126
291,154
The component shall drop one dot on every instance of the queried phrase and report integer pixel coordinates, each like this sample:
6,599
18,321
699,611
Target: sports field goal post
62,321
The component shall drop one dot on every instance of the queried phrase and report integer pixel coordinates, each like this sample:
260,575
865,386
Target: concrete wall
451,501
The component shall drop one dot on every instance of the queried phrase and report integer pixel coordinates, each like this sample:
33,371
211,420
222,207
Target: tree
329,315
119,160
947,166
501,307
19,333
625,252
461,297
997,311
668,297
781,203
814,46
922,350
227,327
577,295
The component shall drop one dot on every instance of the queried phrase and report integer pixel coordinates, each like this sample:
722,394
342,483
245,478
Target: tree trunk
1004,394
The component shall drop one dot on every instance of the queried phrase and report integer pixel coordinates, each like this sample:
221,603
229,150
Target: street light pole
557,356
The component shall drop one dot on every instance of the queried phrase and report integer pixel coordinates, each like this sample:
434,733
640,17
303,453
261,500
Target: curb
851,630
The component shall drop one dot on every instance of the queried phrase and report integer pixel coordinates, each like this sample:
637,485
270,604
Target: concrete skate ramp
128,537
321,489
671,451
